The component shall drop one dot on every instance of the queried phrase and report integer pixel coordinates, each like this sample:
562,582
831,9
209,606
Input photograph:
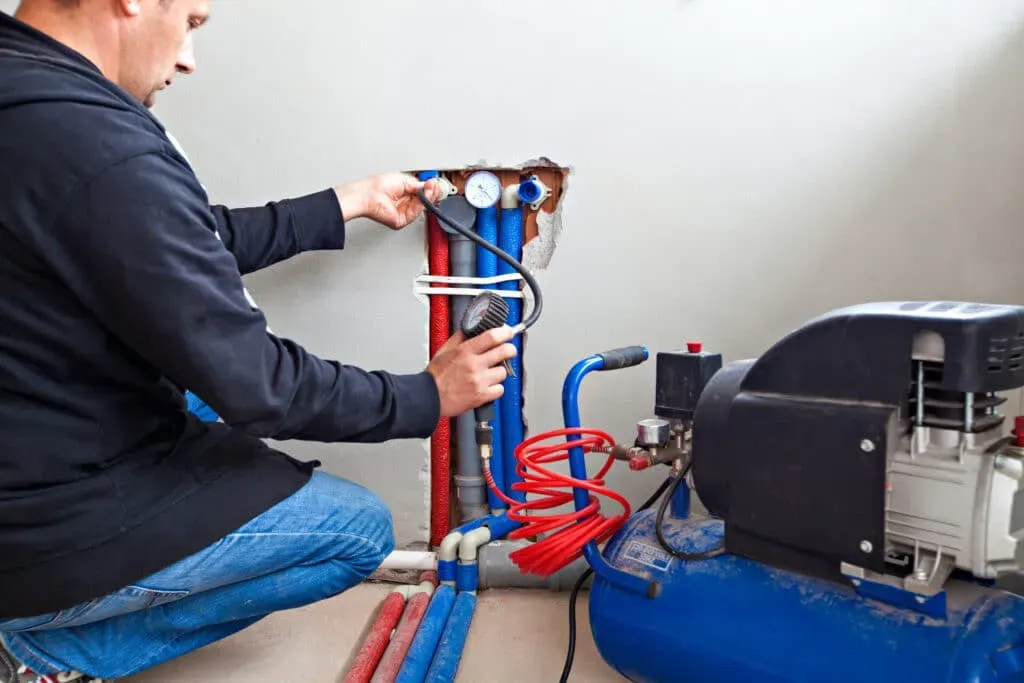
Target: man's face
157,44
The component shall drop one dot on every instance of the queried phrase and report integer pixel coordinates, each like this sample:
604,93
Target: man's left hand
389,199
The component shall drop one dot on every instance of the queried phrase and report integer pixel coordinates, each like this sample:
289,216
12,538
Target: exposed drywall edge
538,252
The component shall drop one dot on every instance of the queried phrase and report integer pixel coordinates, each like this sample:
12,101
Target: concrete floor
313,645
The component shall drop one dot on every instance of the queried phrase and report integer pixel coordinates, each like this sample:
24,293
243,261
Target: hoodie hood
35,68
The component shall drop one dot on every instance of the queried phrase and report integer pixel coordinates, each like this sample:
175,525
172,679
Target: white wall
728,157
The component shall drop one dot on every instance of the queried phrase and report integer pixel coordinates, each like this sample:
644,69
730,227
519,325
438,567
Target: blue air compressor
864,494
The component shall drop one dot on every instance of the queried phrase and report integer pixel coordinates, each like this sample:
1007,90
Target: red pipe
377,640
440,442
394,656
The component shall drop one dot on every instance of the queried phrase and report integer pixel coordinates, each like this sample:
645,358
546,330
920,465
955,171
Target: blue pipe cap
529,191
424,176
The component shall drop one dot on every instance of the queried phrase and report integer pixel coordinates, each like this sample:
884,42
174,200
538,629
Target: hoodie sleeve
138,245
259,237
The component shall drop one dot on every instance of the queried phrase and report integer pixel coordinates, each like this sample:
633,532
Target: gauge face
475,313
483,189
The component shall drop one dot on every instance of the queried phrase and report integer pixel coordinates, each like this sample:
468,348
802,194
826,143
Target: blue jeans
324,539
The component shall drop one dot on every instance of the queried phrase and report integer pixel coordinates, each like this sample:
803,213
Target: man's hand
469,373
389,199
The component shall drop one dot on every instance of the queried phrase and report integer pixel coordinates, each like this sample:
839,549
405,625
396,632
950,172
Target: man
131,532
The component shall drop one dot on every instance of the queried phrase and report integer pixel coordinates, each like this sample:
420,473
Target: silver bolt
867,445
866,546
920,599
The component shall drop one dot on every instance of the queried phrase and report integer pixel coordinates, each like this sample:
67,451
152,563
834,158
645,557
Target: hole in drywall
531,234
542,223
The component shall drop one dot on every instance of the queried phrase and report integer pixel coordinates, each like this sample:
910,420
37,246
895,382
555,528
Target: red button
1018,431
694,347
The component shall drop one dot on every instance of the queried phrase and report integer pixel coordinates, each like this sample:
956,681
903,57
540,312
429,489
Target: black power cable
659,522
570,655
538,301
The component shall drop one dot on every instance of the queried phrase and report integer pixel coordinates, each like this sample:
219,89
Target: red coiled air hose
440,441
570,531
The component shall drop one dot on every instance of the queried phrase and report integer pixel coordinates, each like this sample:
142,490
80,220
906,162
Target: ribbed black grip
626,357
495,314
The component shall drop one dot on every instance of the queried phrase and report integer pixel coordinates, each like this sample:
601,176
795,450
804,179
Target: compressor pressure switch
680,380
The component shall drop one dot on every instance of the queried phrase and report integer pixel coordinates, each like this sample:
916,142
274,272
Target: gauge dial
483,189
487,311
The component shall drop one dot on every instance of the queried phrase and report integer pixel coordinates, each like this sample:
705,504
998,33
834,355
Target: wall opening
518,209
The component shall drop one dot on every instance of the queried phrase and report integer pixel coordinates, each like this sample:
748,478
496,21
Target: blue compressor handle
626,357
615,359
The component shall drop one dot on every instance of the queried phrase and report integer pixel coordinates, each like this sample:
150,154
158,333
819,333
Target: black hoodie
120,287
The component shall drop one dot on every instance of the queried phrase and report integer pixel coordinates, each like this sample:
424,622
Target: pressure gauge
483,189
486,312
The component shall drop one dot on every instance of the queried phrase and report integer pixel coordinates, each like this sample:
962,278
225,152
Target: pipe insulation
487,266
428,635
394,655
510,240
445,666
440,441
469,478
376,641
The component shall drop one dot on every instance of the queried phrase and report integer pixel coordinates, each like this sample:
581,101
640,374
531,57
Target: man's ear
130,7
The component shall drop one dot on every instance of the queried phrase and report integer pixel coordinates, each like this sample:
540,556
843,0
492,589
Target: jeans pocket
125,601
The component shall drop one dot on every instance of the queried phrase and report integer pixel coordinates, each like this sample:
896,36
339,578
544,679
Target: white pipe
470,546
410,559
447,188
510,196
472,542
449,551
409,591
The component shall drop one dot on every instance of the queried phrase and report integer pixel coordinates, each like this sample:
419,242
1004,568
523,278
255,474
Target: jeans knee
378,530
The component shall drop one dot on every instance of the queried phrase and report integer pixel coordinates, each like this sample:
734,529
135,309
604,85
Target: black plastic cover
680,379
791,449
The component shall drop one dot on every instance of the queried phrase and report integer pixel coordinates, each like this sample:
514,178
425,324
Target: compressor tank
732,620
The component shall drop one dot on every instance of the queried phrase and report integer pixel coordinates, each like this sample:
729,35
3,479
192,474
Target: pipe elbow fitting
447,188
534,192
469,547
449,549
510,196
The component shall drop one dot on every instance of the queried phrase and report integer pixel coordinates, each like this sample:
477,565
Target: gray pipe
498,571
469,479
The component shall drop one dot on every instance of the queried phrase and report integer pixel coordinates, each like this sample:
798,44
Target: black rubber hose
660,520
538,301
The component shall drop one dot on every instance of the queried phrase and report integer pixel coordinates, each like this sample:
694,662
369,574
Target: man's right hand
469,373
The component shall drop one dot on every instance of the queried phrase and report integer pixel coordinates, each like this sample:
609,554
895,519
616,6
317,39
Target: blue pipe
501,526
453,642
467,578
487,266
510,240
428,635
611,360
679,506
